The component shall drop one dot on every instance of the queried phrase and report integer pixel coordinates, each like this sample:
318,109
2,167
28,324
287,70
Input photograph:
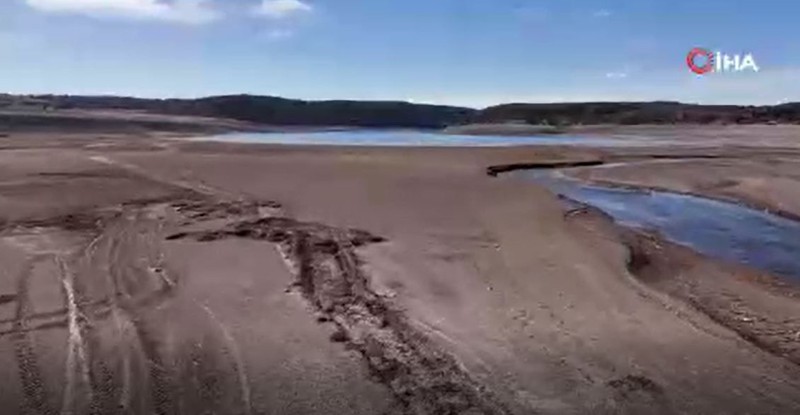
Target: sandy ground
143,275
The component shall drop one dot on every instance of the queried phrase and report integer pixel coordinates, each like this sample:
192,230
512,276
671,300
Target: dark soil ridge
497,169
423,378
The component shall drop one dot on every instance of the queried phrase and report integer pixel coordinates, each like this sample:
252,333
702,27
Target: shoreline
649,248
494,171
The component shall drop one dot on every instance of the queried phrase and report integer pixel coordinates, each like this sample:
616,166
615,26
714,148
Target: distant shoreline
516,118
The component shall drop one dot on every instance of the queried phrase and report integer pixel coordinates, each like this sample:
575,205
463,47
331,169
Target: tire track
145,372
160,384
423,378
78,390
97,307
170,283
123,400
139,280
244,383
30,375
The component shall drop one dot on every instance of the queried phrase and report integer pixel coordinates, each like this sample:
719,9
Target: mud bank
631,172
760,307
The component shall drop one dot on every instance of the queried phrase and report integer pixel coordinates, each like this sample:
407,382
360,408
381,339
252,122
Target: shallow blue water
718,229
404,138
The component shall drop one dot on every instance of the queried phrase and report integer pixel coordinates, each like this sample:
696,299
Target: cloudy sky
465,52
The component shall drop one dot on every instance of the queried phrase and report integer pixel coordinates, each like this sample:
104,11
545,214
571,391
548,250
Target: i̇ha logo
702,61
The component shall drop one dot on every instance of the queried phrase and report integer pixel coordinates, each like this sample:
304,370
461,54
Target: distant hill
638,113
279,111
282,111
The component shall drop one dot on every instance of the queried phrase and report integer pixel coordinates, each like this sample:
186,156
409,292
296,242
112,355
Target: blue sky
464,52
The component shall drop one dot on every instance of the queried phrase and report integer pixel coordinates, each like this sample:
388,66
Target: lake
409,138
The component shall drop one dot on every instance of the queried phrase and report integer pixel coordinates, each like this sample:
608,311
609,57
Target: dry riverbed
143,275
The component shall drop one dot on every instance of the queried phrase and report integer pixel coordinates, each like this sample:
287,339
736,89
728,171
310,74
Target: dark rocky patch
205,210
90,221
7,298
635,383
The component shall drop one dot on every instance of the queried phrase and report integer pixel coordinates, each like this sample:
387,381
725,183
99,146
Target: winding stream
718,229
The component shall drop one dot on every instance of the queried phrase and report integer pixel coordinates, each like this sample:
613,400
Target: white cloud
602,14
178,11
279,9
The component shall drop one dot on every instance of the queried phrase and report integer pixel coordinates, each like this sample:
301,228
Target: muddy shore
151,275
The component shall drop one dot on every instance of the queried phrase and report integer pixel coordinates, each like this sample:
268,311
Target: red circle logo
706,67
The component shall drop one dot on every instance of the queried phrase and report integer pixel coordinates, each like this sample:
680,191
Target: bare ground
152,276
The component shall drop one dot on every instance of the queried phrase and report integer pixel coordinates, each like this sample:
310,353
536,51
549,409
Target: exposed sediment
541,307
671,269
423,378
750,303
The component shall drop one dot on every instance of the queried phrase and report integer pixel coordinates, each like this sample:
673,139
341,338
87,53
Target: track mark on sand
423,377
244,383
195,185
33,387
158,357
132,298
141,283
78,379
